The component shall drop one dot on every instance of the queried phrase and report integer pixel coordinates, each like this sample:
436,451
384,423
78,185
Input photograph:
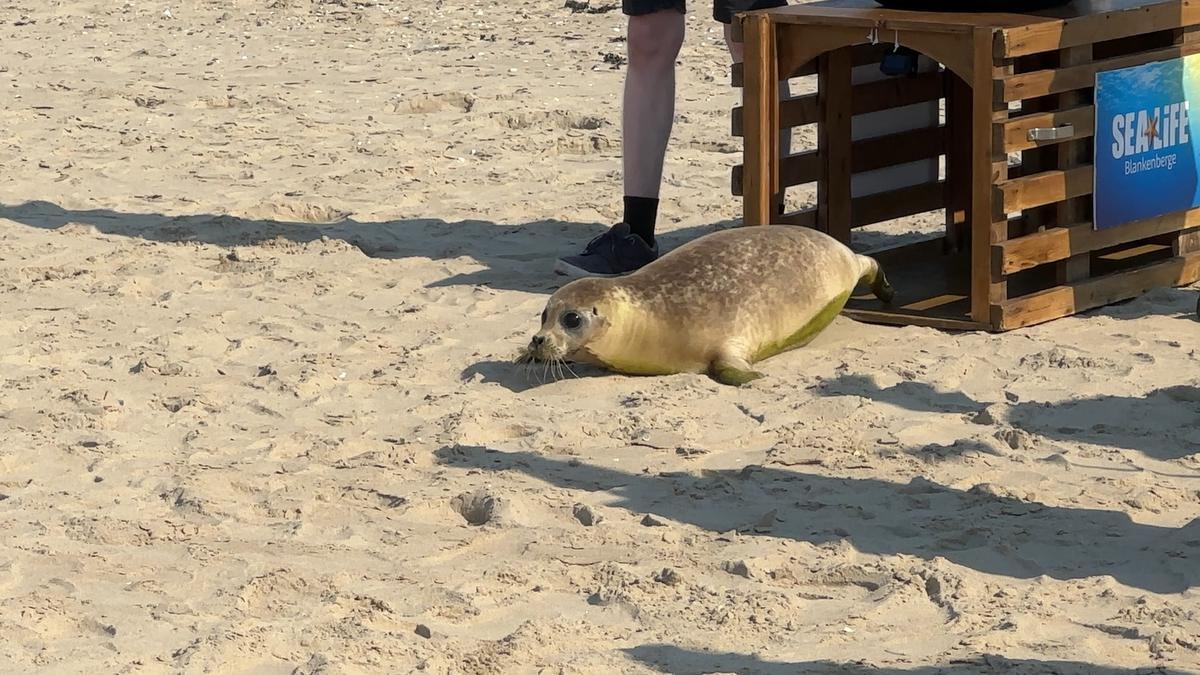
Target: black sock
641,214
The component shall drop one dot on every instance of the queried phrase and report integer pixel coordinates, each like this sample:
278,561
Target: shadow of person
1156,425
511,257
679,661
978,528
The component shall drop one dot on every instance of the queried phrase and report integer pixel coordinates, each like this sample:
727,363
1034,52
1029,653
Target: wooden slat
898,148
793,112
838,14
1187,242
878,207
1069,299
834,143
867,154
1126,254
1069,155
795,169
1134,44
911,318
958,163
925,250
762,140
883,206
1058,80
1061,243
802,218
1046,187
895,92
865,98
946,299
1051,35
1037,159
1016,131
989,165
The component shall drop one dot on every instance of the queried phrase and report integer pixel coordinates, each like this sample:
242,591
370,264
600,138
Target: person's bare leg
737,52
648,111
654,41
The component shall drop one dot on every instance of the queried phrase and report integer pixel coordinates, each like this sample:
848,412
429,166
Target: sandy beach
264,266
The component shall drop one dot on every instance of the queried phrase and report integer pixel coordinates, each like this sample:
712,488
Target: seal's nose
537,340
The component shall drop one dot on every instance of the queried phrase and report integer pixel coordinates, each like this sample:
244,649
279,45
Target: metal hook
873,36
896,44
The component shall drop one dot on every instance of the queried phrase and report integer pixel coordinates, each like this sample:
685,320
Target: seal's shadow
520,377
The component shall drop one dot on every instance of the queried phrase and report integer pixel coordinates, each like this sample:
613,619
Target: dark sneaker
612,254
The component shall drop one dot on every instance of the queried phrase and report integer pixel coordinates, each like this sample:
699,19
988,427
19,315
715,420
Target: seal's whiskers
568,367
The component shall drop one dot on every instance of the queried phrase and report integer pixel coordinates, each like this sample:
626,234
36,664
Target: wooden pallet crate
1016,246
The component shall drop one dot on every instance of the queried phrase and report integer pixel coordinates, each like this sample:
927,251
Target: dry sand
262,265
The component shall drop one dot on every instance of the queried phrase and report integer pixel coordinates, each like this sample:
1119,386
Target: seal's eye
572,320
543,317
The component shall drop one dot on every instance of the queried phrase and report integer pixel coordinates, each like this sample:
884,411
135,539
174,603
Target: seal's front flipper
732,371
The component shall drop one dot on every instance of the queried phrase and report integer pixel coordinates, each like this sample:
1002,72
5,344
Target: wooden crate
1017,246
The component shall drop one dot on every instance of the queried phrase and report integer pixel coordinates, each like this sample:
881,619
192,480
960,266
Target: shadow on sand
513,257
671,659
1157,425
978,528
1182,303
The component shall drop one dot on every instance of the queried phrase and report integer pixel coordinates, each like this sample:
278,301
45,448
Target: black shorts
723,10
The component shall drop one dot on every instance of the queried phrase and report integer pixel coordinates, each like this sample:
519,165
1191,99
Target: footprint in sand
280,594
297,213
432,103
477,508
552,119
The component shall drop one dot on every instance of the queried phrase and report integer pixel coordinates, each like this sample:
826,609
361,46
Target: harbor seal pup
715,305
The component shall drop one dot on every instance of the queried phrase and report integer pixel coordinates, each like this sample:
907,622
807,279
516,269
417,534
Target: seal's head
573,317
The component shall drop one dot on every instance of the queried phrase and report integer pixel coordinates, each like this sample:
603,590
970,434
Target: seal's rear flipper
732,371
873,275
882,289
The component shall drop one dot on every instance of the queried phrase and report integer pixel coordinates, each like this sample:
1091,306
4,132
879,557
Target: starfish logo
1151,131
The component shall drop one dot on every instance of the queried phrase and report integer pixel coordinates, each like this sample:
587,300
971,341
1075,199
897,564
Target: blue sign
1145,150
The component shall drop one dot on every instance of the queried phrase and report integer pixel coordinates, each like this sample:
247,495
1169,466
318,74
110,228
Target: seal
716,305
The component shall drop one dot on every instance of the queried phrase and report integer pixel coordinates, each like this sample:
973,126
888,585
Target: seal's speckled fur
716,304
